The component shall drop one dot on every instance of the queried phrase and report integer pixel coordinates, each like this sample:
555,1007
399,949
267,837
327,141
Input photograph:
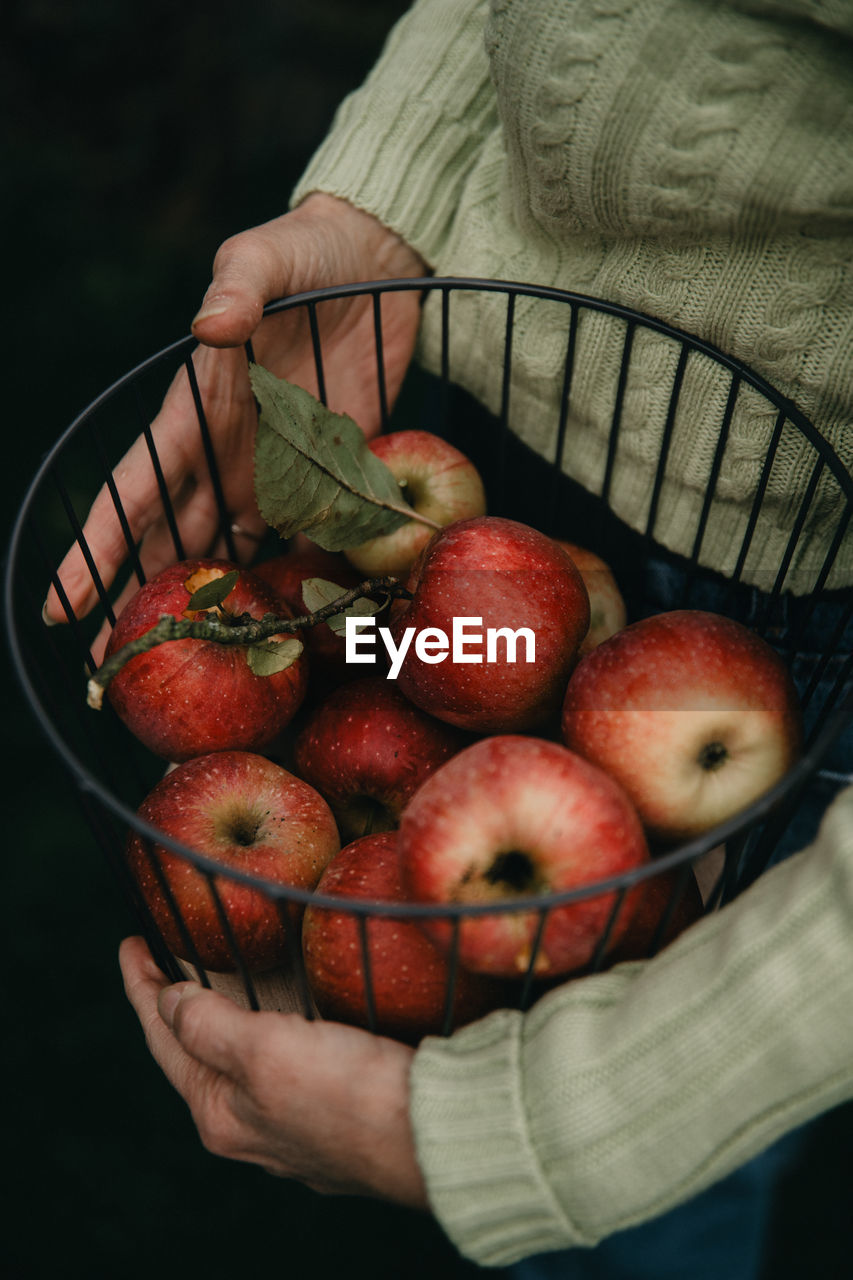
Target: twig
230,630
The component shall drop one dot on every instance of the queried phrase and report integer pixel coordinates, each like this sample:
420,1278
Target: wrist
388,254
392,1171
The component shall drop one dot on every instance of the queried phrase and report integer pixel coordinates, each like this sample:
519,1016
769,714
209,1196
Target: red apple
607,612
488,577
511,818
326,649
436,480
367,749
409,976
252,817
187,697
694,714
647,906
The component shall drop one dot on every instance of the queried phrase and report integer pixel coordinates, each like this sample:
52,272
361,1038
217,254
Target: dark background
138,136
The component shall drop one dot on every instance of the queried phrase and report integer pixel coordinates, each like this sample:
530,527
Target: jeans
721,1232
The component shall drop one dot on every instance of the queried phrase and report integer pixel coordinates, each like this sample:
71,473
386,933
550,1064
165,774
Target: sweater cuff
401,145
483,1179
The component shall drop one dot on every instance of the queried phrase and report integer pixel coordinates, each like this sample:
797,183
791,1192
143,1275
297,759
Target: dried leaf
314,472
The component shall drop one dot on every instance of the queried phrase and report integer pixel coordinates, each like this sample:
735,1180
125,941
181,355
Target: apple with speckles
253,818
512,818
414,989
694,714
436,480
367,749
522,602
187,697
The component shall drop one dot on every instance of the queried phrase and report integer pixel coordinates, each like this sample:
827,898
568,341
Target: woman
690,160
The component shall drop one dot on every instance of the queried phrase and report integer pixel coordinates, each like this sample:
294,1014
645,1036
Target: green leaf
314,472
318,592
362,608
271,656
214,592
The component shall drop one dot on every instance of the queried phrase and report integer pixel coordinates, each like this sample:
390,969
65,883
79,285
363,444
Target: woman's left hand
320,1102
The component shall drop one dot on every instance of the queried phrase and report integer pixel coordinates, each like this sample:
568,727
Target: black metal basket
113,773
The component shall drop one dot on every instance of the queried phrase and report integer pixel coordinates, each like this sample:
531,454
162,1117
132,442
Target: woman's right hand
323,242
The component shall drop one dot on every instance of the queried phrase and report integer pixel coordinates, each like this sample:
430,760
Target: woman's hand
315,1101
323,242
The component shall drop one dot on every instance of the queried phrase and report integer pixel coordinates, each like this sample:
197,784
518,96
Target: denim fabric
719,1235
722,1232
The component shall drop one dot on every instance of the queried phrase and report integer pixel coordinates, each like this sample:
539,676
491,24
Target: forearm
619,1096
401,145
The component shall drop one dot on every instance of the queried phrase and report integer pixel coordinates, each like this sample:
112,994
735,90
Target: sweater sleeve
618,1096
402,144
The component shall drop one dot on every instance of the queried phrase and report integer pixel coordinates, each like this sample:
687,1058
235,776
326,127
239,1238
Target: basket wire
112,773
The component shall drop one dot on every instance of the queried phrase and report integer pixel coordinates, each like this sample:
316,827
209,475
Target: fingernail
46,618
168,1001
209,310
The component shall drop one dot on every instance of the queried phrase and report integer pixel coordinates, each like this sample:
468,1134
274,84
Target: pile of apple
500,735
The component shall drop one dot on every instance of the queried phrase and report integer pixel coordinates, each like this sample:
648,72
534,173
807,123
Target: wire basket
539,481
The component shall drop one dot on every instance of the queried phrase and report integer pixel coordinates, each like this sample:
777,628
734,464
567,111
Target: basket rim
683,855
448,284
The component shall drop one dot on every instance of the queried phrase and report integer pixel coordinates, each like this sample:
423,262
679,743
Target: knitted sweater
691,160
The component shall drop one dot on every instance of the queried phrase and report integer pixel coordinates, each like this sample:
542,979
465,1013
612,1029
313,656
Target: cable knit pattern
691,160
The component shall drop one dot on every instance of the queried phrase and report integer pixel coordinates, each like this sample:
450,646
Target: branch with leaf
314,474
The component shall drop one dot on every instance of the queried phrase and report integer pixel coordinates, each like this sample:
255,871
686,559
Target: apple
326,650
511,818
436,480
185,698
647,906
607,612
409,976
252,817
367,749
487,577
694,714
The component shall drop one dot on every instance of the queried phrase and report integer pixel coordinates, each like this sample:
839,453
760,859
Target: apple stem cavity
418,516
233,630
514,871
243,830
713,756
369,816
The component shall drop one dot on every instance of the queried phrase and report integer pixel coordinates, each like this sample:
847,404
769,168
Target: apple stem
412,514
242,630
